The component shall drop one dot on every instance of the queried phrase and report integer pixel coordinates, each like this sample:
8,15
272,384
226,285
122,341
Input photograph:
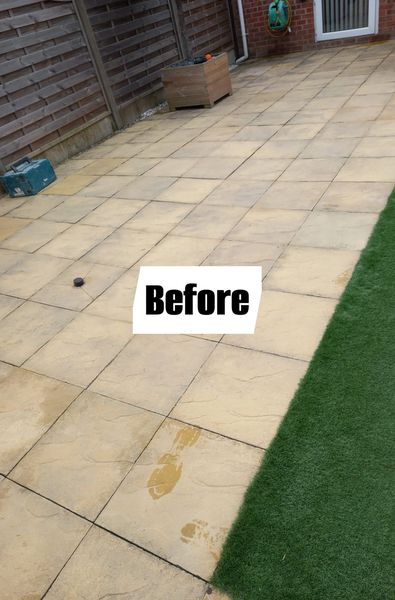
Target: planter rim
177,66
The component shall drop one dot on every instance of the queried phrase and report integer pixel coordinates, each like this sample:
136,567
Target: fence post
89,35
179,30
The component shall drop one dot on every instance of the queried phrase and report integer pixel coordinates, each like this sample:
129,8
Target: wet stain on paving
344,278
164,478
198,531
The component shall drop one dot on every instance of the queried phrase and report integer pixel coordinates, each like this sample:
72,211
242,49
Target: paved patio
125,459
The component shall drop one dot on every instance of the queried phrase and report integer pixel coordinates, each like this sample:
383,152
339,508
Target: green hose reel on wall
279,15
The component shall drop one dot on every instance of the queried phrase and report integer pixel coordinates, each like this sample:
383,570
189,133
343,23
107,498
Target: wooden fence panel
207,25
136,38
48,84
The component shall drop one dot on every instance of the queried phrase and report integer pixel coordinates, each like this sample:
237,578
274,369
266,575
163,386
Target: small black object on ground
78,282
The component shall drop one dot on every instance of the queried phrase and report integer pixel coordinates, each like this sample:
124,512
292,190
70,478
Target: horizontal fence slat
46,92
49,109
45,130
37,16
57,50
38,37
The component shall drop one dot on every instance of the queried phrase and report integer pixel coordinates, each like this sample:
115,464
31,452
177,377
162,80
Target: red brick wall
302,36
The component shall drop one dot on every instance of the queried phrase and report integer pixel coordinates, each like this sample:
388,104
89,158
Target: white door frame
372,27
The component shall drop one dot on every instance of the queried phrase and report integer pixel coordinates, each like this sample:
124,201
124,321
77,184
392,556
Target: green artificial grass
317,520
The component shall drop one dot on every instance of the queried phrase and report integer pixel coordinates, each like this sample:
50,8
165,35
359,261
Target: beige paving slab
159,217
270,117
172,167
29,404
328,271
135,166
288,325
101,166
255,133
34,235
241,119
177,250
345,130
218,134
267,169
145,188
326,148
313,115
368,169
203,120
237,149
382,128
196,149
160,149
9,258
336,90
9,226
8,204
368,101
154,371
35,207
266,383
190,191
375,147
275,149
349,114
209,221
8,304
229,252
268,226
355,196
237,193
69,185
209,168
72,165
82,459
128,150
27,328
183,135
313,169
38,538
81,350
114,212
61,291
105,566
107,186
348,231
320,102
123,248
289,195
30,274
186,489
116,301
298,132
73,209
76,241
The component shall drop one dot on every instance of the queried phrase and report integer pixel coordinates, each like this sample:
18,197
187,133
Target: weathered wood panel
207,26
136,38
48,84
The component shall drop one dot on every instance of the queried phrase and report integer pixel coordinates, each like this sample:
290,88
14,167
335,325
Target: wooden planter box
196,85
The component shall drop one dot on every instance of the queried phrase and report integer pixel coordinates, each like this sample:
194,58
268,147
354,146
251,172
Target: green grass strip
317,520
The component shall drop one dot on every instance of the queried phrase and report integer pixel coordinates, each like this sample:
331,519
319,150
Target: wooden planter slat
196,85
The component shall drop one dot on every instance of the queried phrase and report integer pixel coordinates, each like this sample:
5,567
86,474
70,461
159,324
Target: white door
336,19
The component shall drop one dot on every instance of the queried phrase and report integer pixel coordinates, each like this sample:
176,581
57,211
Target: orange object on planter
208,56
